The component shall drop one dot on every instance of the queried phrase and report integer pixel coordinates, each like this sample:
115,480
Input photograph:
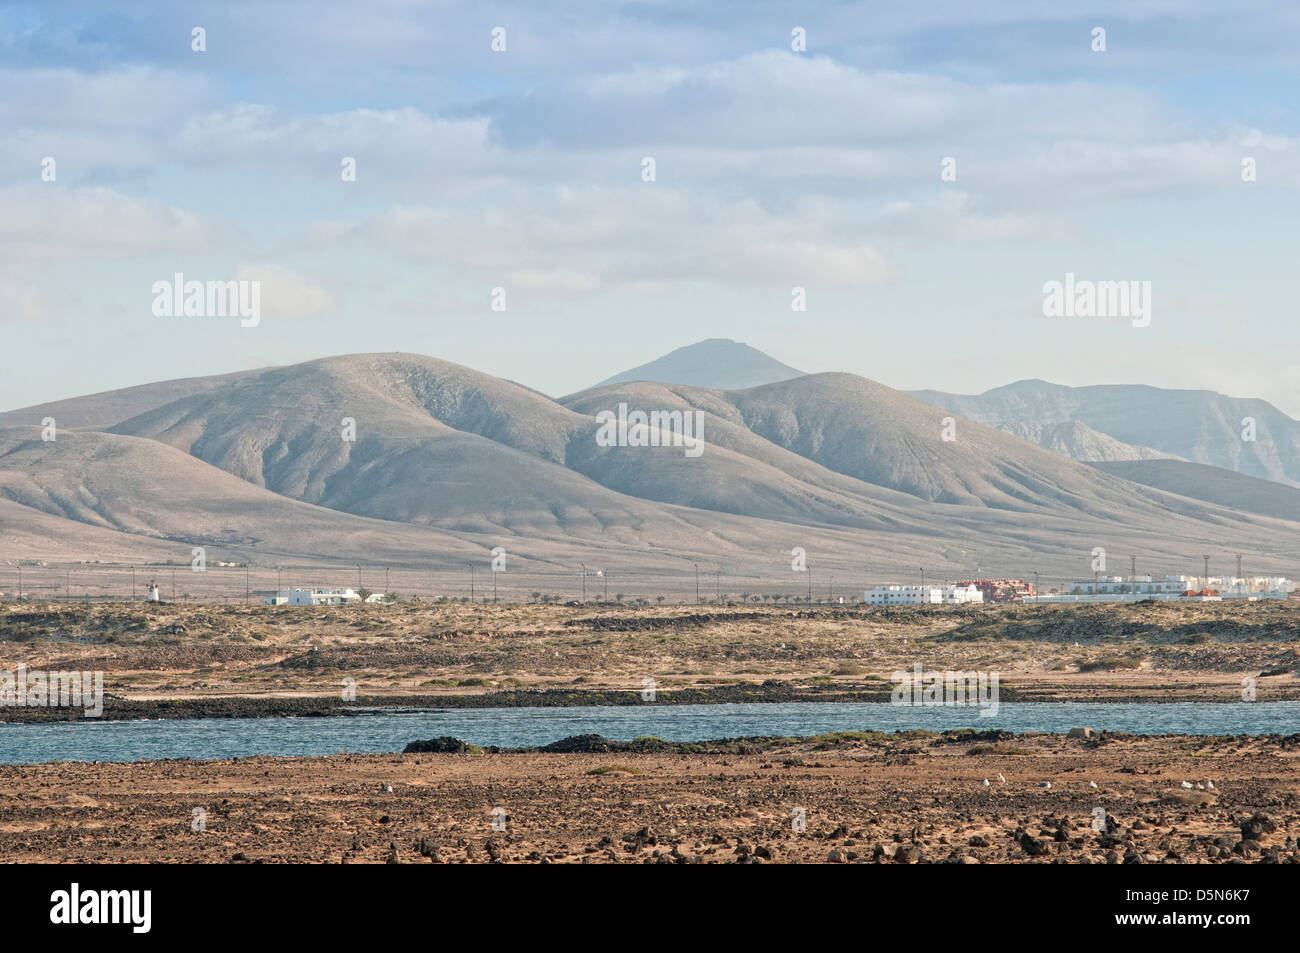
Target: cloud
53,223
20,299
286,293
584,238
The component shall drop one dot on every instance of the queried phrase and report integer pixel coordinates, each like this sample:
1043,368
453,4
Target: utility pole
358,579
697,581
174,585
832,587
605,576
471,581
20,581
584,581
809,570
386,589
67,580
132,584
717,581
1037,591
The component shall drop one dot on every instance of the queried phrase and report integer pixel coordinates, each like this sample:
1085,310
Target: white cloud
286,293
49,223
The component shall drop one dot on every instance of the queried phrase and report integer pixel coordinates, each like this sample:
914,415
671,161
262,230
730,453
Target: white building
1172,589
320,597
921,595
1135,586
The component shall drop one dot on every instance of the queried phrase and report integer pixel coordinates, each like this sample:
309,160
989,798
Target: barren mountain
717,363
1080,442
448,462
1196,425
1213,484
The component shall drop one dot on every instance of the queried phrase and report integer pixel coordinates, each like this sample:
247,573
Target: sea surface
379,731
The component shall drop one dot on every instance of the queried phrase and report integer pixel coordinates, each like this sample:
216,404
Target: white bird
1002,779
1046,784
1210,785
1092,784
986,782
1187,784
388,789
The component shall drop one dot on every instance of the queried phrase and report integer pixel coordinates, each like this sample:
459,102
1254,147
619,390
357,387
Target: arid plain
862,796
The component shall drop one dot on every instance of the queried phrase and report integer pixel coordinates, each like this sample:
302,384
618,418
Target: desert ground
914,798
864,797
191,660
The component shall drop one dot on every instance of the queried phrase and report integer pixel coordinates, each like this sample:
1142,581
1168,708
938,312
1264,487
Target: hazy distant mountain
718,363
881,438
1080,442
1213,484
447,462
1196,425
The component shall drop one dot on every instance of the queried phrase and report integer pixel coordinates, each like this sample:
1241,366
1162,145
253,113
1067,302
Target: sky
775,168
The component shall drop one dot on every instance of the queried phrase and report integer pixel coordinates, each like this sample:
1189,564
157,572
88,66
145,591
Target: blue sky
522,169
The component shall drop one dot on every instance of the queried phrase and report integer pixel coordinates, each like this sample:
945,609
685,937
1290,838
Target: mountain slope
103,410
437,443
1196,425
1080,442
139,487
448,462
1213,484
717,363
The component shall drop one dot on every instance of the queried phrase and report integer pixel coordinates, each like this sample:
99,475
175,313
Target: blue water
378,732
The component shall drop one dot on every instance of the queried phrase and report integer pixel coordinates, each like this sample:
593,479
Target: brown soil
888,799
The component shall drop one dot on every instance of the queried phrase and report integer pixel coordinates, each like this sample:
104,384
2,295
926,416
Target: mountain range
421,462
